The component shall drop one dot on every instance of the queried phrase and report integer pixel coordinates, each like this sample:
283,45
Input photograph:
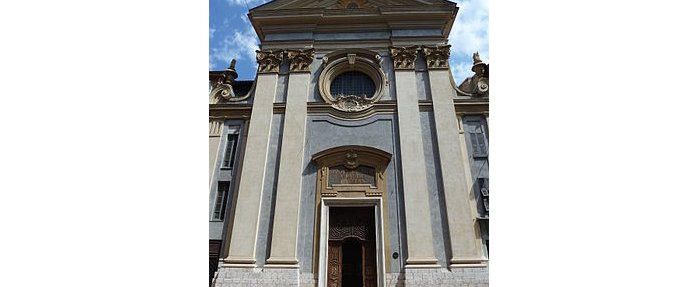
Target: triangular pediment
343,4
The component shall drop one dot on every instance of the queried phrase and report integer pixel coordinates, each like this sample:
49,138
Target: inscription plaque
360,175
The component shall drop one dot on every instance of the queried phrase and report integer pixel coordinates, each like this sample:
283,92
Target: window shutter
229,155
221,200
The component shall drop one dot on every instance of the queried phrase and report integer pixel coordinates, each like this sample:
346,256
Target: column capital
300,59
437,56
269,61
403,57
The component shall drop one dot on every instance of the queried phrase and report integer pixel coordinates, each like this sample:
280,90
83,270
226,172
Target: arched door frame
370,193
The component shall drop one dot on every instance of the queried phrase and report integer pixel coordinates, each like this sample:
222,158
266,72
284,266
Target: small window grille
485,187
221,200
353,83
229,156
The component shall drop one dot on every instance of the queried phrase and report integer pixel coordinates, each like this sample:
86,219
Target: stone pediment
344,4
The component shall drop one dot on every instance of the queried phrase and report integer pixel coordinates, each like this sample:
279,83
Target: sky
231,36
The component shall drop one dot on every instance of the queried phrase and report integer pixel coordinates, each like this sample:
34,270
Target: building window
475,132
485,234
353,83
229,156
483,197
221,200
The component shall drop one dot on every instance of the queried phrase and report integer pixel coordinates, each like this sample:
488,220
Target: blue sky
232,36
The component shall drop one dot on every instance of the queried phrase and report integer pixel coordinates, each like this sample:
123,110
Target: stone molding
362,61
269,61
351,157
437,56
403,57
300,60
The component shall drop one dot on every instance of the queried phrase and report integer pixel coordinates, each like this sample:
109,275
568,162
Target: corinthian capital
301,59
269,61
403,57
437,56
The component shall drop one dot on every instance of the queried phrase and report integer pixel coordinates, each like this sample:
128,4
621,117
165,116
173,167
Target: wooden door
334,264
369,264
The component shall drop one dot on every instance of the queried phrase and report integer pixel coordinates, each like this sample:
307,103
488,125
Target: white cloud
470,33
460,72
241,43
247,3
211,31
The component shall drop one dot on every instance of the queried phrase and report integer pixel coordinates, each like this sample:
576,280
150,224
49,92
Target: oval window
353,83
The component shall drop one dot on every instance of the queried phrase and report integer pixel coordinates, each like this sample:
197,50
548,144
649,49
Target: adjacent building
353,158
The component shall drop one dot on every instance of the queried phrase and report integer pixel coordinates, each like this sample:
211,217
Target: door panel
370,264
334,264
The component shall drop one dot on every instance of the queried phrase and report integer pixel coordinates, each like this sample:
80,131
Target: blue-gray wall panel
325,132
352,36
435,186
269,193
417,33
288,36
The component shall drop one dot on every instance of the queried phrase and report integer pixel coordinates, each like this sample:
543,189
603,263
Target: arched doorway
351,187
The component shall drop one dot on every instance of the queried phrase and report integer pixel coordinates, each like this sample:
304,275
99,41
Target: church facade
353,158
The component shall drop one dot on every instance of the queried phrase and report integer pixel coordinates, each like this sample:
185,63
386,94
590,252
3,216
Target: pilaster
420,248
284,252
243,236
466,249
214,140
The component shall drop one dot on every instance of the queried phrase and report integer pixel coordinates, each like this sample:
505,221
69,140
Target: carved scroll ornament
437,57
223,88
301,59
269,61
478,84
403,57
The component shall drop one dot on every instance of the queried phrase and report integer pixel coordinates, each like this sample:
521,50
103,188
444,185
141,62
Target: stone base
228,277
457,277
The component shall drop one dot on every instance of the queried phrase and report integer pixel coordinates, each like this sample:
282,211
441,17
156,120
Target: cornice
436,16
243,111
236,111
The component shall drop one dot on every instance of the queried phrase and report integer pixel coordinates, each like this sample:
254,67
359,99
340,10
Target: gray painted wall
324,132
215,229
269,193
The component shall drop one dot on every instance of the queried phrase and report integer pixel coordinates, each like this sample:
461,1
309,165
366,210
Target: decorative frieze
437,57
269,61
403,57
300,60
